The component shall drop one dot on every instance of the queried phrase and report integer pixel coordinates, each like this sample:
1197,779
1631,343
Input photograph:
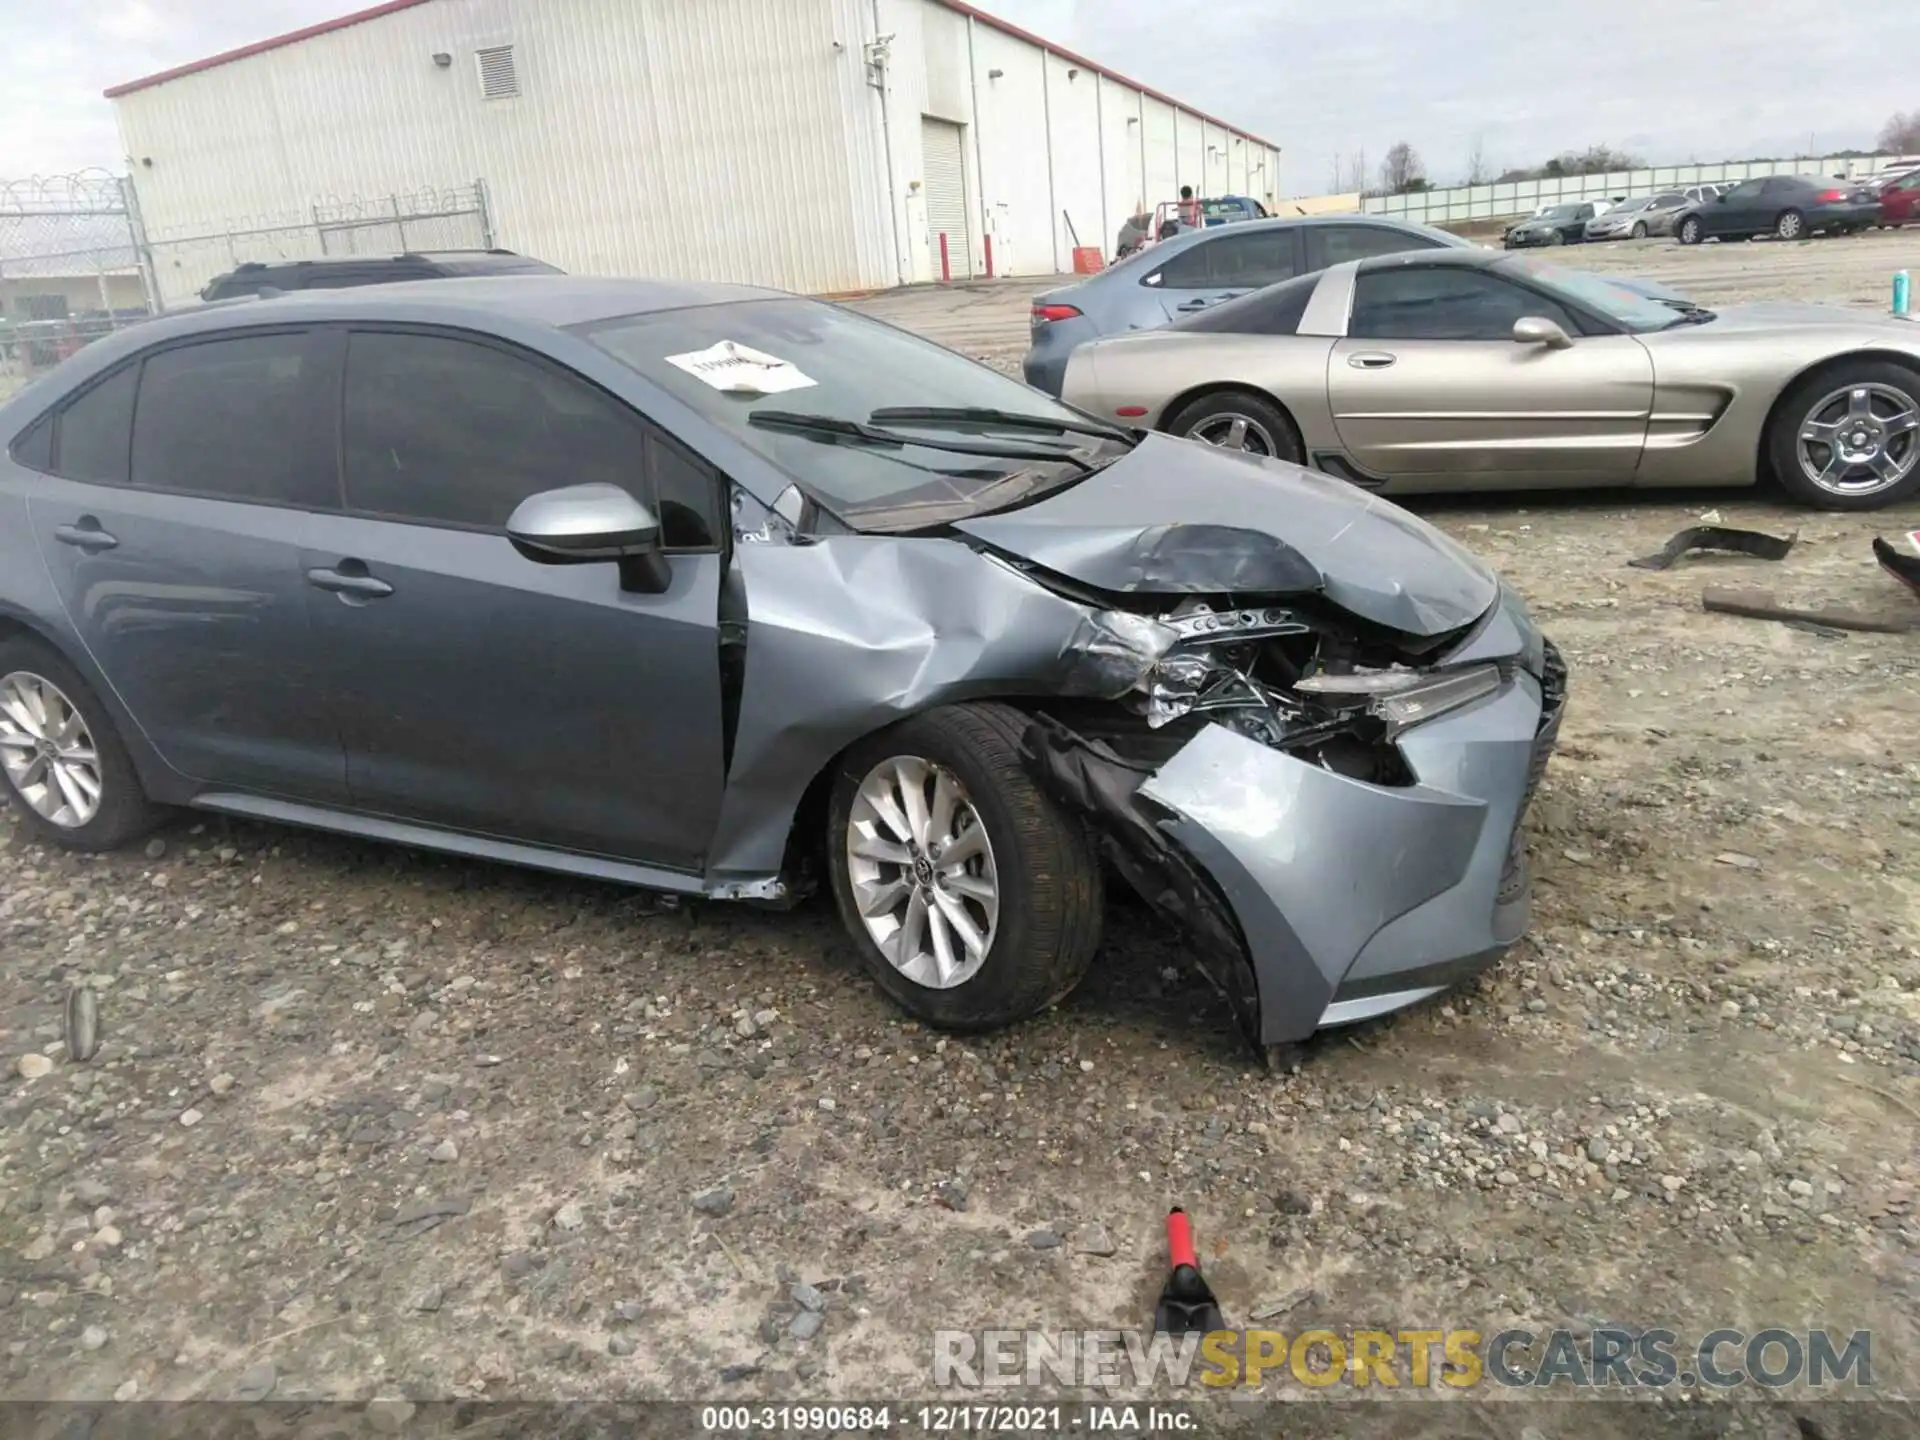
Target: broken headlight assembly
1402,698
1262,672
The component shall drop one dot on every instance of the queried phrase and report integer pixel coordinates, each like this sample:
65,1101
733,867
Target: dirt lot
368,1122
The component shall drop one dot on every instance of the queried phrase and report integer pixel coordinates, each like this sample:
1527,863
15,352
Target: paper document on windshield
742,370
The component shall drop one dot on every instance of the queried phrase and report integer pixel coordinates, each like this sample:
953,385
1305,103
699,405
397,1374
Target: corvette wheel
1240,420
1849,438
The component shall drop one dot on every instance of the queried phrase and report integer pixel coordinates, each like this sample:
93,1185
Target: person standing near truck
1189,208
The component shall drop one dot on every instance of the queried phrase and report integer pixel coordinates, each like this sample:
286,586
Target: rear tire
1691,231
1039,864
1266,428
1790,225
41,692
1823,397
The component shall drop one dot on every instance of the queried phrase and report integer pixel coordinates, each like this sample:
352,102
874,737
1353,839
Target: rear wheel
1691,231
1240,420
972,899
1848,436
1790,226
66,771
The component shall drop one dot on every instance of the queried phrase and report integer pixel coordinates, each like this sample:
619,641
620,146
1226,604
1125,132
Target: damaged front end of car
1330,809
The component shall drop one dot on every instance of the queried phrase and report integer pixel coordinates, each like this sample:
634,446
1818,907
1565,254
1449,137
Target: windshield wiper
833,427
985,415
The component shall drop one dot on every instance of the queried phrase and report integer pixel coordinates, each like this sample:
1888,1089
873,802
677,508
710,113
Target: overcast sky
1671,80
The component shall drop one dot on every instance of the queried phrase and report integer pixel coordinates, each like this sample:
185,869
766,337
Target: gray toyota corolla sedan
723,592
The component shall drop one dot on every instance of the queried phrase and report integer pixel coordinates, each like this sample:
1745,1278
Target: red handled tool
1186,1304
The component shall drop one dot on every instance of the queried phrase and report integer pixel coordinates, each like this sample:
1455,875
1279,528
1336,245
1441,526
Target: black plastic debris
1756,543
1904,568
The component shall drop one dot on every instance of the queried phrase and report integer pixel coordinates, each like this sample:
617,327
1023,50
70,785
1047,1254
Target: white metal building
815,145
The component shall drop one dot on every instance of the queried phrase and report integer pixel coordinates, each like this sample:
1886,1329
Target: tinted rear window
92,439
33,446
236,419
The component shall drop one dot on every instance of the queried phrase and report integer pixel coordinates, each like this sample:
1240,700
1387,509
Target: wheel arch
1763,464
162,782
1195,394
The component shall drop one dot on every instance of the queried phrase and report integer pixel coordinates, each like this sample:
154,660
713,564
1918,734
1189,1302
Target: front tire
972,899
1240,420
1691,231
67,774
1639,229
1790,226
1847,437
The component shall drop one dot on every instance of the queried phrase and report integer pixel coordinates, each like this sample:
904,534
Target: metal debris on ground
1760,605
83,1024
1756,543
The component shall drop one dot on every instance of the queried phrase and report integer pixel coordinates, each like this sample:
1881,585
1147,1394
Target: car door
171,526
1739,211
1429,385
477,689
1223,267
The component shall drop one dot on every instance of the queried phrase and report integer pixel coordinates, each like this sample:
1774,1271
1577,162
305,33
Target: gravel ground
367,1122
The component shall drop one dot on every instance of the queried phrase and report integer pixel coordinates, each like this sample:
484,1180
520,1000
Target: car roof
1477,258
556,300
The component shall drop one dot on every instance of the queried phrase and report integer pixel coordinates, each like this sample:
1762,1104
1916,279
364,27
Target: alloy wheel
48,752
1860,440
1231,431
922,871
1788,226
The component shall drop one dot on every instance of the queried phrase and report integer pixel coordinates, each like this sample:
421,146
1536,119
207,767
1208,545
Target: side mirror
1538,330
589,524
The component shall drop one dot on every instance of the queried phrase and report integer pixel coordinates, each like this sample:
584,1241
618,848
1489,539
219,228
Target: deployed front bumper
1355,899
1315,899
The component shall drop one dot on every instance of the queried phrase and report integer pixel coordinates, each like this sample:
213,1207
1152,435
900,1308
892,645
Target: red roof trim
260,47
1007,28
374,12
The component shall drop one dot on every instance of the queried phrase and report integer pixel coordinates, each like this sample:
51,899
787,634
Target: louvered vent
498,79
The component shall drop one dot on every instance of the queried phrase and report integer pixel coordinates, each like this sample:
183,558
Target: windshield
1629,308
1561,212
802,356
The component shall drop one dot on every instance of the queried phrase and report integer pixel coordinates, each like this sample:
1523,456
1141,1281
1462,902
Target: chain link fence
77,262
185,257
70,268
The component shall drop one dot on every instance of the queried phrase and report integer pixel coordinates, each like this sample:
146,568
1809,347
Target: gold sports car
1453,370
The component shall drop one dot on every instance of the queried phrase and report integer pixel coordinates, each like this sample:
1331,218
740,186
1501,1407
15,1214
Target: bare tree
1901,134
1477,171
1402,171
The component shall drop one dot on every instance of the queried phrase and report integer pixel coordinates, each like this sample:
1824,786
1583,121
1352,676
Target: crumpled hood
1177,517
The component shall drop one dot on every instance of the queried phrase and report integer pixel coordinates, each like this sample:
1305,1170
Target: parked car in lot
1557,225
1701,194
710,590
1788,207
342,271
1637,218
1197,268
1450,370
1900,200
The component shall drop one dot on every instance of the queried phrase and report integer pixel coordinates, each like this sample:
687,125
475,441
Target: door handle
349,585
85,534
1371,360
1199,304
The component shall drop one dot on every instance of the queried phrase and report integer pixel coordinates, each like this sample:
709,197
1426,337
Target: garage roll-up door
942,148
